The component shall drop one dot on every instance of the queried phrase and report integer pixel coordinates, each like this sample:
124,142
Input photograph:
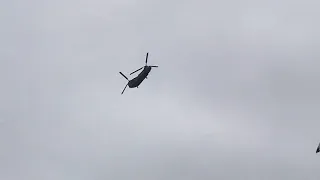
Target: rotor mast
144,65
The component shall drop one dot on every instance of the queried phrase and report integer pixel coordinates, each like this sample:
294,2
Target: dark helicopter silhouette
135,82
318,149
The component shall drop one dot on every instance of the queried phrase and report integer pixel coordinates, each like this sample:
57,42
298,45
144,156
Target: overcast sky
236,94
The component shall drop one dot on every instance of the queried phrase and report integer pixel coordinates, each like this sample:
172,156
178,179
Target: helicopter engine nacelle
147,69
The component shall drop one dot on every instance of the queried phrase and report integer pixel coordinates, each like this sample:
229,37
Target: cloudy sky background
236,94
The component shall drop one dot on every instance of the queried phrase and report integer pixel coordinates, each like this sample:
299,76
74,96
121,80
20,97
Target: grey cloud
235,94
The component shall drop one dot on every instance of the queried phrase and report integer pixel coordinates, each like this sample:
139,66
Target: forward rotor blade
153,66
147,58
124,76
136,70
124,89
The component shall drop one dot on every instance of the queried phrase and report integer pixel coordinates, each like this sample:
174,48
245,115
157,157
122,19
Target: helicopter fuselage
135,82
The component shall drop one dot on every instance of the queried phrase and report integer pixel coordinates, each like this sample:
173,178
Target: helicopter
135,82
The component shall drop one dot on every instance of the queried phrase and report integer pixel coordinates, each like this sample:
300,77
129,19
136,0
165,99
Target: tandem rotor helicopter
135,82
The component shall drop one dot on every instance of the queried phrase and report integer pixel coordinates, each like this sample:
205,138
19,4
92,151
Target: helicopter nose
130,84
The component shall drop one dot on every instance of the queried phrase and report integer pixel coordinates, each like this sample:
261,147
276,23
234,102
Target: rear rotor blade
124,76
124,89
147,58
153,66
136,70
